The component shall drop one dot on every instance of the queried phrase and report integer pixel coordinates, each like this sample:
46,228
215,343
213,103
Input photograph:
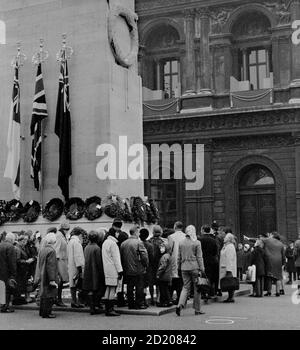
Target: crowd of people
104,267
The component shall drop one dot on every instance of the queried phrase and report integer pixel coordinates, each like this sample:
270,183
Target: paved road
247,313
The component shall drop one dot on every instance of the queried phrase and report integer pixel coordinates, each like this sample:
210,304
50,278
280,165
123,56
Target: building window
252,52
160,64
255,66
168,78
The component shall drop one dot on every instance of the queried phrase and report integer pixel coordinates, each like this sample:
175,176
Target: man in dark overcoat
210,257
93,277
8,269
48,276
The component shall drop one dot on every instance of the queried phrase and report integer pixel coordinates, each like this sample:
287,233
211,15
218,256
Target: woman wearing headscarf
190,263
113,270
75,264
228,262
48,276
93,278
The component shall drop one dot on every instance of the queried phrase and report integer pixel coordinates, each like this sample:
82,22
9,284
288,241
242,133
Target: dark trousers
259,286
135,290
46,306
292,276
298,272
240,273
176,285
165,297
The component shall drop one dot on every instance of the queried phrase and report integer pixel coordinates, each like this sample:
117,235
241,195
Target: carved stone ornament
219,18
281,8
123,58
222,122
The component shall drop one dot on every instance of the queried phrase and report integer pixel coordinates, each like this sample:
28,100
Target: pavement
267,313
150,311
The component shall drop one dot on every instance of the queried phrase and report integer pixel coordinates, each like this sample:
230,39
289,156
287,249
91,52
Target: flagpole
38,58
17,62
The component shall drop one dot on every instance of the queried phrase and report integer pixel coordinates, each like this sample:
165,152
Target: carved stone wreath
123,58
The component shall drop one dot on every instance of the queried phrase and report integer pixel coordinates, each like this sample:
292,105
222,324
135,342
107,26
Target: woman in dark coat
93,277
48,276
260,260
290,264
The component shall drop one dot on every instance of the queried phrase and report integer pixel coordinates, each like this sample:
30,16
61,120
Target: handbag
251,274
229,283
203,285
78,282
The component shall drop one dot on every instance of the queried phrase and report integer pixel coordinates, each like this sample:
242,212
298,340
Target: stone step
150,311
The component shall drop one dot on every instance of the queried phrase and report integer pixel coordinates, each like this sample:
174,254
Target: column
205,65
297,159
295,79
189,76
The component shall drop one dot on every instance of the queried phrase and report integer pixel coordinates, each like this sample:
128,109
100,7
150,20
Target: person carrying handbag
228,264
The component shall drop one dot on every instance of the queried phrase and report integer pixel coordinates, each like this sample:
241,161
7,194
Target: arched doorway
257,201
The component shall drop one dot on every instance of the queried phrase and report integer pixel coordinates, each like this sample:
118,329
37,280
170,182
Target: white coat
228,260
61,249
75,258
111,261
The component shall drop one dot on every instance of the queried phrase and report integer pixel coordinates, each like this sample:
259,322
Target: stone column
295,79
189,69
297,159
205,65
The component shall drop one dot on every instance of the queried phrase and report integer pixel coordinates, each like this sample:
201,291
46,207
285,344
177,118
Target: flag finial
20,58
65,52
41,56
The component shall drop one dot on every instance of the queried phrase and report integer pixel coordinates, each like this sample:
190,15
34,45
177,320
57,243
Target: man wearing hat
61,249
121,235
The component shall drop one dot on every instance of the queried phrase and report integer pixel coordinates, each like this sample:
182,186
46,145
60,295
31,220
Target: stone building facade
225,74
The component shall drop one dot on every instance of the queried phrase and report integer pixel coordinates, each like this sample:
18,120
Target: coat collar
112,238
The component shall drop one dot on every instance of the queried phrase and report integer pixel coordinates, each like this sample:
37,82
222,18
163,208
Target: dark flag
38,114
63,130
12,169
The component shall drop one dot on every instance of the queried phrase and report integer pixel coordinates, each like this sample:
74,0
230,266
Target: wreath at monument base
32,211
93,208
53,209
127,215
113,206
14,210
3,216
131,18
74,208
138,208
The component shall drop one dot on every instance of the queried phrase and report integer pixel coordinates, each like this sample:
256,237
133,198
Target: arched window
161,63
2,33
252,43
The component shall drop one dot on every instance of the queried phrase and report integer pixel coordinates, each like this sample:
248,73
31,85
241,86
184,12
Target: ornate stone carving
251,142
219,17
222,122
281,8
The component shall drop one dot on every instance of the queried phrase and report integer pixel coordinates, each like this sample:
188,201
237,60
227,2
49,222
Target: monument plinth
105,89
